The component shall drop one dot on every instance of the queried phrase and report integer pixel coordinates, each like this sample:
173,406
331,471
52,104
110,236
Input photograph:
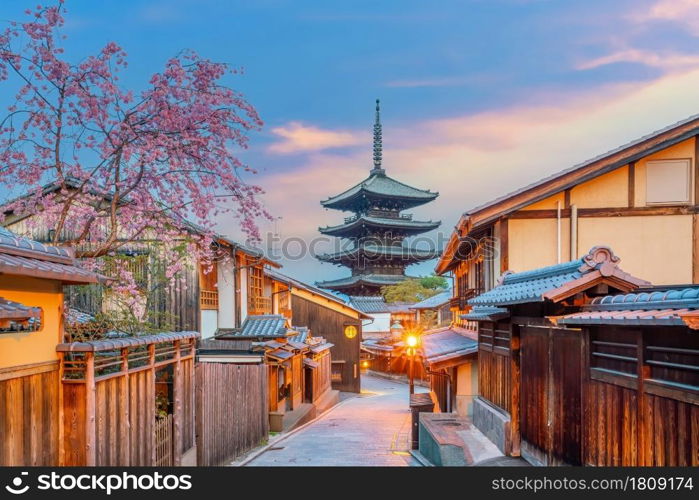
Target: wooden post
90,421
177,411
585,420
515,436
645,440
150,401
124,411
61,414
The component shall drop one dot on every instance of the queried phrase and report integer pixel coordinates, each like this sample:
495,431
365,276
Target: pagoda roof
373,250
363,279
403,223
379,185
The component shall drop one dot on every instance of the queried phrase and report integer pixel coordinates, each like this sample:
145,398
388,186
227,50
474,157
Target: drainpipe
573,232
558,231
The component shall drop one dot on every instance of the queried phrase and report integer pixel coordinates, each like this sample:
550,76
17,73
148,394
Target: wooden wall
495,364
641,405
325,322
29,407
110,420
231,410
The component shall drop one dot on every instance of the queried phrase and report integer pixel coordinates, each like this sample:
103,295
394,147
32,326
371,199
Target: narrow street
369,429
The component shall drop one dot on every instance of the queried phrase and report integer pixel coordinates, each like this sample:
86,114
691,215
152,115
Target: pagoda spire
378,146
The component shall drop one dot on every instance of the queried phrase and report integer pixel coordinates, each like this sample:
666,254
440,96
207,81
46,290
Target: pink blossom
163,156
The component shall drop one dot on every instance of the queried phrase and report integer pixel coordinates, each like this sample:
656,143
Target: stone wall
493,422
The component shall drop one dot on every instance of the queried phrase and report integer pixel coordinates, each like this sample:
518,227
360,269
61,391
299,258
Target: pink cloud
669,61
297,137
685,12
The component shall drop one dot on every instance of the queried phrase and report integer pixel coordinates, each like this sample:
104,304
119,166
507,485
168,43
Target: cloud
667,61
473,158
297,137
684,12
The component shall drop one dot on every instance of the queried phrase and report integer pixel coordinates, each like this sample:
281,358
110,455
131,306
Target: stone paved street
371,429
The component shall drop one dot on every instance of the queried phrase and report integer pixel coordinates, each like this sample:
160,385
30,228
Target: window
255,282
668,182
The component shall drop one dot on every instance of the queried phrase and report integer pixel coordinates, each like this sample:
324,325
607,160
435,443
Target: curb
421,458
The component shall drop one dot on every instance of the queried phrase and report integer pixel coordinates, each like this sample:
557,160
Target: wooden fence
231,410
164,456
108,409
29,430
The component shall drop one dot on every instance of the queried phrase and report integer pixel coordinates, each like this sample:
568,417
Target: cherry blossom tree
103,166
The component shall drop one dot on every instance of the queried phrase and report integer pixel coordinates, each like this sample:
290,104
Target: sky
478,97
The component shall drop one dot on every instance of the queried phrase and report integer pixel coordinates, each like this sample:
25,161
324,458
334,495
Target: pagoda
375,234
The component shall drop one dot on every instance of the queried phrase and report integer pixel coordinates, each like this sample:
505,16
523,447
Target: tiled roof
365,220
280,354
369,304
371,279
373,250
530,286
259,326
121,343
374,345
435,301
486,313
545,283
15,310
303,333
73,316
24,257
383,186
448,344
316,348
661,307
8,239
400,307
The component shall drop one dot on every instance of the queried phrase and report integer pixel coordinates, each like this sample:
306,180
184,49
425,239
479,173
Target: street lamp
412,341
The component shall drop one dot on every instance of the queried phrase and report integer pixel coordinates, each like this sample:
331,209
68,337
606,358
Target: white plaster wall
209,323
243,287
226,294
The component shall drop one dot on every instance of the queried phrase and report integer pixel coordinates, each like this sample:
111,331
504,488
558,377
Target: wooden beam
608,212
515,377
124,413
27,370
61,414
90,419
566,198
632,184
645,439
177,417
504,246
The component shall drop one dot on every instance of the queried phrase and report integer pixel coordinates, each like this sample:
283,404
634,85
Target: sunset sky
478,97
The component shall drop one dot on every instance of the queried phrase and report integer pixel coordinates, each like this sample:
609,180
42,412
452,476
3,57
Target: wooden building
532,381
298,364
326,316
634,199
434,311
32,276
205,298
450,357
